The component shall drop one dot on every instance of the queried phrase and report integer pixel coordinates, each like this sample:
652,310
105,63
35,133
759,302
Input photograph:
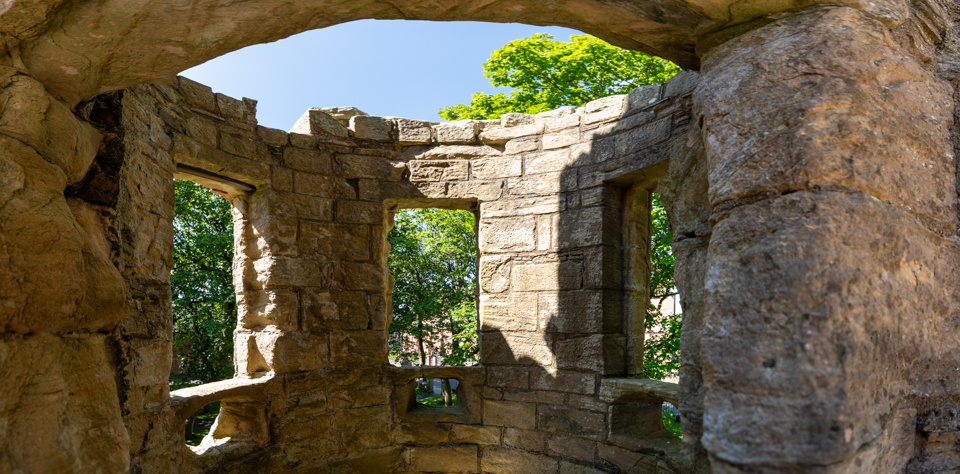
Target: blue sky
387,68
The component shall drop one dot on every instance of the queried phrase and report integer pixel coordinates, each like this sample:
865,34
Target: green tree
661,352
545,74
204,302
433,260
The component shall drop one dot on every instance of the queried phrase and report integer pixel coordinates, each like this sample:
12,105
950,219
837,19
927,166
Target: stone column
831,258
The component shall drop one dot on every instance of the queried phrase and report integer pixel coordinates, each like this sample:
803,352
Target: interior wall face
809,173
312,378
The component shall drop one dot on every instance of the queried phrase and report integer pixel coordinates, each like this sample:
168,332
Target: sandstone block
444,459
513,312
461,131
352,348
438,170
515,348
556,419
521,145
563,381
503,135
334,242
573,447
557,275
347,310
365,127
316,122
524,206
477,190
605,109
197,94
561,139
482,435
526,440
509,234
494,273
260,308
509,377
272,136
510,414
312,184
637,140
307,160
515,119
509,460
414,132
549,161
363,166
571,311
496,167
643,97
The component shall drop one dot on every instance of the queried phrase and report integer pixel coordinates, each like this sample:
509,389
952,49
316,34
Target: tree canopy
545,74
204,301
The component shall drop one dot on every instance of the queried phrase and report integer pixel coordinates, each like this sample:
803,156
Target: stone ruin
809,168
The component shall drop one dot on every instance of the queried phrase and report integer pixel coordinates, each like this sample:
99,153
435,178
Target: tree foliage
545,74
204,302
661,352
433,260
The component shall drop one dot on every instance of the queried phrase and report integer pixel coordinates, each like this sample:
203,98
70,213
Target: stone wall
560,308
810,176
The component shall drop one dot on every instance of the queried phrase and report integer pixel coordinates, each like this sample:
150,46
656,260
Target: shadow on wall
562,323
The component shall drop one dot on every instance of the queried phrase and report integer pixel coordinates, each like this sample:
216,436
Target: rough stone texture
810,175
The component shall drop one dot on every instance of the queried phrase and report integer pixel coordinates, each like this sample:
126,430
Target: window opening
671,419
201,281
433,260
661,348
437,392
198,425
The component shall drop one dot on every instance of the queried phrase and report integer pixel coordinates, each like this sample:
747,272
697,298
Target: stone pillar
831,259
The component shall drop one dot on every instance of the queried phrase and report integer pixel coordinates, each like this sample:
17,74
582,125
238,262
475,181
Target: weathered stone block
365,127
549,161
510,377
313,184
500,136
478,190
496,167
572,447
414,132
509,460
349,348
494,273
363,166
334,242
461,131
516,119
563,381
643,97
561,139
482,435
509,234
638,139
607,108
510,414
513,312
438,170
522,206
347,310
515,348
444,459
571,311
556,419
261,308
526,440
359,212
557,275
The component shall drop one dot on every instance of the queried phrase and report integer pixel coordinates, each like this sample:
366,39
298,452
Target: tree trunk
446,393
188,426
